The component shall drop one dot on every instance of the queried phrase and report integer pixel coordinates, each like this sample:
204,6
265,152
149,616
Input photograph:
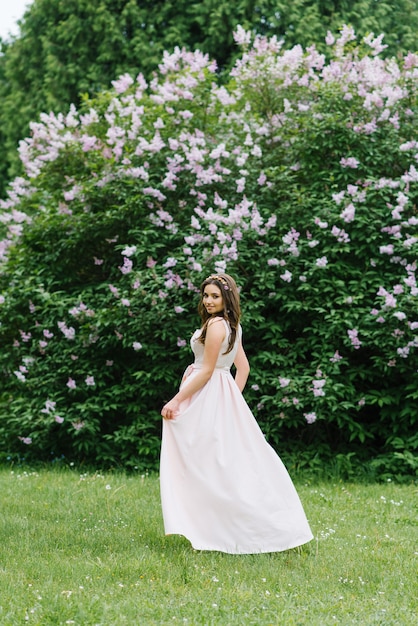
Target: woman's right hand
171,409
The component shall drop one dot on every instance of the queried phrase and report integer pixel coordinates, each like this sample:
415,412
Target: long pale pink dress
223,487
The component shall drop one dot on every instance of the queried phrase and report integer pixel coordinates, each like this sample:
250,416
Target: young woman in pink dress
223,487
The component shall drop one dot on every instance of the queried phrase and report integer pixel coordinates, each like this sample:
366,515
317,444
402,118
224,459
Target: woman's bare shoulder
214,320
215,329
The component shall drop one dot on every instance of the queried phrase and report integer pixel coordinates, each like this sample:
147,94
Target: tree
67,49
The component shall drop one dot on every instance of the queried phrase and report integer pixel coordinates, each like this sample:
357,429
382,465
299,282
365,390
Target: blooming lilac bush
299,177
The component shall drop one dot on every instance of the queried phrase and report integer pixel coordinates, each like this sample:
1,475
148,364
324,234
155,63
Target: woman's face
212,299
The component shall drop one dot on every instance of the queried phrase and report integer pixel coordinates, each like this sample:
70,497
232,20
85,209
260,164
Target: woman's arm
243,367
214,337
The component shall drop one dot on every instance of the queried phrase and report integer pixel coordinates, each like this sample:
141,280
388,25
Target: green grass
89,549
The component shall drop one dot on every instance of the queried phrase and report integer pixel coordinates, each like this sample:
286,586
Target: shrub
298,177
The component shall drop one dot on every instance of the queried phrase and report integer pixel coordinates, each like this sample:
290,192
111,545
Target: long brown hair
232,309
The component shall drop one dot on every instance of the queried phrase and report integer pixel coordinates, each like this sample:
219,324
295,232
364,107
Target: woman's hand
171,409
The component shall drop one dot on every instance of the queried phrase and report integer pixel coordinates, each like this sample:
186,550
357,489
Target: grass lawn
89,550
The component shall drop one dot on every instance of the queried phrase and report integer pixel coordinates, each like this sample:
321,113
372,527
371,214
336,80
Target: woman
222,485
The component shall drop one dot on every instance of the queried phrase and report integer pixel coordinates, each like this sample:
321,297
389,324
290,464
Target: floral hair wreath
221,279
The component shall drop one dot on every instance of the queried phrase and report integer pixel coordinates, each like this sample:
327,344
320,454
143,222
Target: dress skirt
223,487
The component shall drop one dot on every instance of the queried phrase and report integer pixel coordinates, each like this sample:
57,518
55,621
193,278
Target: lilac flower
410,241
347,34
179,309
271,222
126,268
255,387
337,357
348,214
90,382
241,184
71,384
242,37
399,315
109,363
129,251
403,352
159,123
137,346
349,162
338,197
68,332
181,342
320,223
47,333
409,145
353,335
287,276
375,43
386,249
151,262
125,302
49,406
171,262
340,234
362,402
122,83
155,193
88,142
390,301
58,419
322,261
310,417
78,425
26,440
114,290
19,376
317,388
329,39
284,382
273,262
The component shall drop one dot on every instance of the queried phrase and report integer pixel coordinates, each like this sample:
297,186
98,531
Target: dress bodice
224,361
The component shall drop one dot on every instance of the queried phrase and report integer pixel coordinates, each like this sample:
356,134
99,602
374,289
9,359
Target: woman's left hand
171,409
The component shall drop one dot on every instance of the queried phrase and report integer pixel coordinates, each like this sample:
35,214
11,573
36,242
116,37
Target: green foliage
299,178
68,49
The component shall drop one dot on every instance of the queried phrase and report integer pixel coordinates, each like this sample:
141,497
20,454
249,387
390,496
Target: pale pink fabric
223,487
